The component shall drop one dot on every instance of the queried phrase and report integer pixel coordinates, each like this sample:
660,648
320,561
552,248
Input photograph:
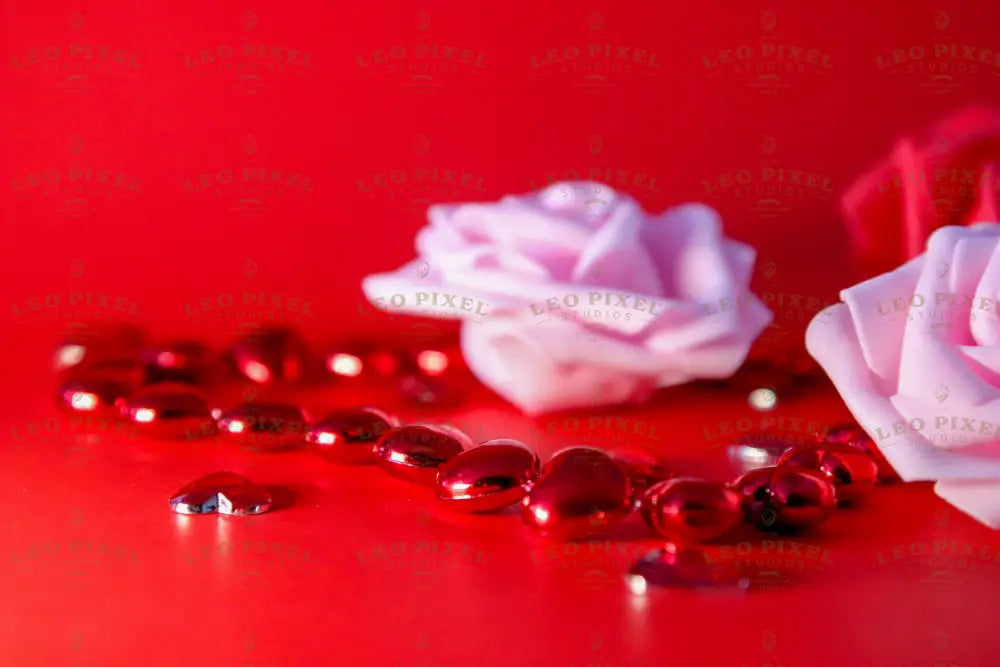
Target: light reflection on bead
763,399
676,566
177,361
84,395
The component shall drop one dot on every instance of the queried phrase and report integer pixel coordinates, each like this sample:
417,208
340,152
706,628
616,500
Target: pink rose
915,354
573,296
945,176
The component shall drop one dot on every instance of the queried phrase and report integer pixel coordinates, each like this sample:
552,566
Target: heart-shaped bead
579,493
349,435
270,355
786,497
417,451
852,471
691,510
169,410
83,345
176,361
264,426
855,436
488,477
222,492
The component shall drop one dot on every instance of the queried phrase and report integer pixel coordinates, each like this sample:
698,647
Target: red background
159,102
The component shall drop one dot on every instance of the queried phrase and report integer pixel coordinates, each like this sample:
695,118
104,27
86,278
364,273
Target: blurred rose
948,176
573,296
915,354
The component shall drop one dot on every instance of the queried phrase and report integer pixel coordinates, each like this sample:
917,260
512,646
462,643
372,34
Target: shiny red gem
691,510
786,497
169,410
852,471
488,477
580,493
855,436
264,426
416,452
349,435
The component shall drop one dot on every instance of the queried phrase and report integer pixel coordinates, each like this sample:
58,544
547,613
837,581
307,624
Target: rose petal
616,256
832,341
523,371
879,329
980,500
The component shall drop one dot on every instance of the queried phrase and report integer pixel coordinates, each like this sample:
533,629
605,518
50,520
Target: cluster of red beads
580,492
161,387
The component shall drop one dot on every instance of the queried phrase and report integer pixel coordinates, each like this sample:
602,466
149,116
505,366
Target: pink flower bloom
915,354
574,296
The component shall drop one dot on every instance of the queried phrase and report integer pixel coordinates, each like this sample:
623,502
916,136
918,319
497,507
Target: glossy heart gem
786,497
349,435
270,355
488,477
852,471
83,345
691,510
416,452
642,468
677,566
169,410
222,492
855,436
580,493
177,361
96,396
264,426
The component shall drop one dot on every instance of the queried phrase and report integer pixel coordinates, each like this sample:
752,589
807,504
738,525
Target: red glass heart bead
416,452
488,477
222,492
855,436
691,510
579,493
83,345
177,361
349,435
364,362
270,355
97,396
264,426
786,497
676,566
852,471
169,410
642,468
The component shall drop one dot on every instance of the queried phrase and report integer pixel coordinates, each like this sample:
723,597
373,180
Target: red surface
158,237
